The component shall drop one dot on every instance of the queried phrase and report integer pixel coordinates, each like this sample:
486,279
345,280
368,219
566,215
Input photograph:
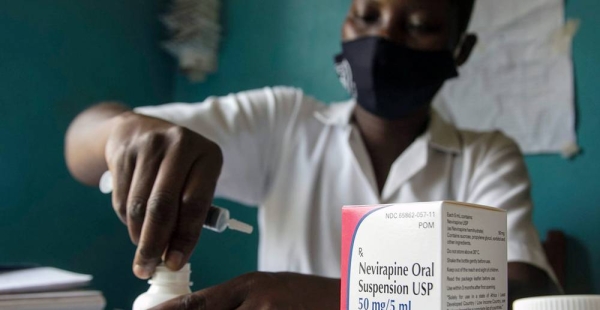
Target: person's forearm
325,291
85,141
525,280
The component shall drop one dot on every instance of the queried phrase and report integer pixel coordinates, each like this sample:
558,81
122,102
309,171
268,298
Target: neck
385,139
376,130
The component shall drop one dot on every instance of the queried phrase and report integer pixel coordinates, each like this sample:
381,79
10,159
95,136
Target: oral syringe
218,219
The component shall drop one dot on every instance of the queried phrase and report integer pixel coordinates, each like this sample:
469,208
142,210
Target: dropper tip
240,226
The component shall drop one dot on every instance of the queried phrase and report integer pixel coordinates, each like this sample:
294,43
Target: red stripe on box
351,216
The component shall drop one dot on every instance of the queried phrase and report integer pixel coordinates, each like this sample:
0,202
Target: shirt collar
337,113
440,134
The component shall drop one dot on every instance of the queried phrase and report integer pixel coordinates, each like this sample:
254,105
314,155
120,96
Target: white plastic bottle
559,302
164,285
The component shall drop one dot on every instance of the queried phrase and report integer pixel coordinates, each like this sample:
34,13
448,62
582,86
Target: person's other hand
164,178
263,291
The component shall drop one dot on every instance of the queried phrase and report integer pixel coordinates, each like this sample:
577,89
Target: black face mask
391,80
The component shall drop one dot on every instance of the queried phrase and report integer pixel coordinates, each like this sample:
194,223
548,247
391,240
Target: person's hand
263,291
164,178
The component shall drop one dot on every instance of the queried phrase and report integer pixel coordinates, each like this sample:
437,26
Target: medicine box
423,256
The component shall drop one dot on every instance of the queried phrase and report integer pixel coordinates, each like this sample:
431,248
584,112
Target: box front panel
394,259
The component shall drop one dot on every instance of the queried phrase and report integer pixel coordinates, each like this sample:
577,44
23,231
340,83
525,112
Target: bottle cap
164,275
565,302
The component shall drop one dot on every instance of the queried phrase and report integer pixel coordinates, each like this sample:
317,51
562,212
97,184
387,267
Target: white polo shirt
301,161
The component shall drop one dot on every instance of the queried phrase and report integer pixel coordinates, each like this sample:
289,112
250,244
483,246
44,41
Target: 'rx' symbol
360,252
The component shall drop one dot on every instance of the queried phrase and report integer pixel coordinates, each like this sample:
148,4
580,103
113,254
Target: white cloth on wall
519,78
194,36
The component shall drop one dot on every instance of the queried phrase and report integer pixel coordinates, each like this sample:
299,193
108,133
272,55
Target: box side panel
472,205
475,258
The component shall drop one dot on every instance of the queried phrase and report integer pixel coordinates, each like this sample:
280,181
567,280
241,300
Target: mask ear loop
456,49
463,50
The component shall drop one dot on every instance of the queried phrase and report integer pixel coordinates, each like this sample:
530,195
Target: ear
464,49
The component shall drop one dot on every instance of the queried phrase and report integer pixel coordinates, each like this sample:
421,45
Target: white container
567,302
433,255
164,285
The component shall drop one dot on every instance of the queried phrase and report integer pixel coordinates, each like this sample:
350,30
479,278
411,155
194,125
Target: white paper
40,279
75,300
519,78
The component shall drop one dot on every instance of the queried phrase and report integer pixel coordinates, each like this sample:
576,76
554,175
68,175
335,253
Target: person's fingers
227,296
196,200
162,207
142,182
249,305
121,167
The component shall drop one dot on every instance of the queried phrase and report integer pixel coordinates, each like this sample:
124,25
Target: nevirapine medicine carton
423,256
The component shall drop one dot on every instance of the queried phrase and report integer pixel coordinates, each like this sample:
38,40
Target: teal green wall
56,58
567,193
273,42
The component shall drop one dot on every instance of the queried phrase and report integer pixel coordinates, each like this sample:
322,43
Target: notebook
47,288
